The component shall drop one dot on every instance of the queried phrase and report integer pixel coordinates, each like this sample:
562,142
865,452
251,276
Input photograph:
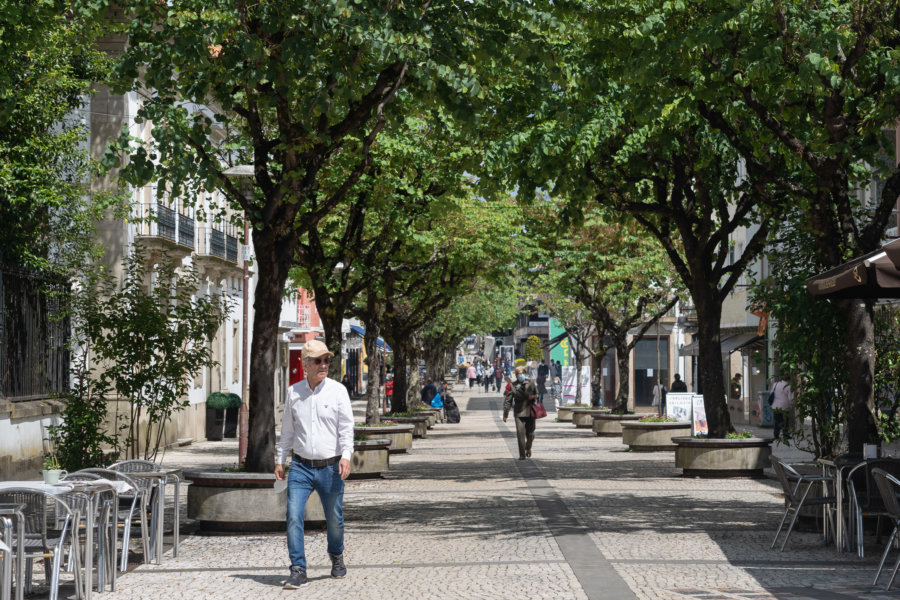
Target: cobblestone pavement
459,517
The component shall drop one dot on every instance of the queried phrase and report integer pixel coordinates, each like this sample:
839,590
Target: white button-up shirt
317,423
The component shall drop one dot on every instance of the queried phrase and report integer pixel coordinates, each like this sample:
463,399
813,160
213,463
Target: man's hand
344,467
279,472
504,419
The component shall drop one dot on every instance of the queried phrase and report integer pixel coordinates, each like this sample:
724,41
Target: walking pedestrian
781,407
498,377
471,374
317,432
488,378
556,393
521,397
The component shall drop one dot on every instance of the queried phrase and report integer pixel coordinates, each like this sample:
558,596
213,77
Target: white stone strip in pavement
597,577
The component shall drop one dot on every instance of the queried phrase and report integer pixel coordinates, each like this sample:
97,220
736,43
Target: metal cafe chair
132,505
153,488
6,568
888,487
99,503
796,488
48,524
864,497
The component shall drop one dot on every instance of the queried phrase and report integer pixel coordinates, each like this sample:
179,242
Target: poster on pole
561,351
569,388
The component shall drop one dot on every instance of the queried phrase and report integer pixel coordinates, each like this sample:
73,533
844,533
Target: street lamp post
244,175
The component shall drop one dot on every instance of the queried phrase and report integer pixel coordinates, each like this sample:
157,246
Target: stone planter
236,502
432,416
564,413
583,418
653,437
609,424
420,424
401,436
702,457
370,458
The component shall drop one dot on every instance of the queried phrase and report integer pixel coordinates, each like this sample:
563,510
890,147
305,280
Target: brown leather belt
319,462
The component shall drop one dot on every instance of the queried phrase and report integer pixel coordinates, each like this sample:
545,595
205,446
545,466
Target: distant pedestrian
678,385
471,375
488,378
317,432
498,377
556,393
346,383
782,405
389,389
735,388
521,397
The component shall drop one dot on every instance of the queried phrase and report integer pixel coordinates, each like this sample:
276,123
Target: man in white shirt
317,431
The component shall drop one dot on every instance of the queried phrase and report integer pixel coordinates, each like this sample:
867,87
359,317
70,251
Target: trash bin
763,412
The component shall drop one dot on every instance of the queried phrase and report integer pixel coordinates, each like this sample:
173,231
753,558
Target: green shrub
223,401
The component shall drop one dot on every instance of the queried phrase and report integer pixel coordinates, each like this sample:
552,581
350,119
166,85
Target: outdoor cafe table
837,467
161,478
93,490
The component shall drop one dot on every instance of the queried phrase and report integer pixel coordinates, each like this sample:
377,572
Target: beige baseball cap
315,348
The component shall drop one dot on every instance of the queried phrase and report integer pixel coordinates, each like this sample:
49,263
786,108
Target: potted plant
52,471
216,405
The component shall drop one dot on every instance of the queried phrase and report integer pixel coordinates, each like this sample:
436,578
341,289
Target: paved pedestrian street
460,517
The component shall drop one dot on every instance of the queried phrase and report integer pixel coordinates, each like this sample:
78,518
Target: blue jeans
302,481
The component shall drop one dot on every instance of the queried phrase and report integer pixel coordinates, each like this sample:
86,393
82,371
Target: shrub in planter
216,405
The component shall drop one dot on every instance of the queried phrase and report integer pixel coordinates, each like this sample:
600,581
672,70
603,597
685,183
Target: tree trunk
373,385
623,363
578,363
400,382
331,325
273,260
709,318
860,332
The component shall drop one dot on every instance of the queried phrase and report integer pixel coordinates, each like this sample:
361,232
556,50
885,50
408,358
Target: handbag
538,411
436,402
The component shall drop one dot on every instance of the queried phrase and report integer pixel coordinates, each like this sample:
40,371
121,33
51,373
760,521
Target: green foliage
51,463
887,371
521,362
150,341
223,401
803,324
533,348
738,435
47,65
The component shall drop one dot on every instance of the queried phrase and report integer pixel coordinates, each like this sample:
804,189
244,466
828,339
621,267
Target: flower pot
53,475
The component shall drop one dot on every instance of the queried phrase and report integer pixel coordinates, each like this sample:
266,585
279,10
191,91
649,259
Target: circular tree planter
401,435
642,436
420,424
432,415
564,413
704,457
583,418
609,424
236,502
370,458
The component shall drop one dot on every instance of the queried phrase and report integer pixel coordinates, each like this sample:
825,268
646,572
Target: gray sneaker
338,569
296,580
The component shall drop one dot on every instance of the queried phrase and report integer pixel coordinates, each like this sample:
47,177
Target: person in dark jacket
521,397
678,385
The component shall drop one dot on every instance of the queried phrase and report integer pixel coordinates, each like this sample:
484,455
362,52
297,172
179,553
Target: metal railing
218,240
173,222
34,335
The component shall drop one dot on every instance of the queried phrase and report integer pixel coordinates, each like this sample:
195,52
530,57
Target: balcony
165,228
217,247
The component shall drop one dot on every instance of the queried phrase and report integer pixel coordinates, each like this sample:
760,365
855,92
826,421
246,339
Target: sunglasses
319,361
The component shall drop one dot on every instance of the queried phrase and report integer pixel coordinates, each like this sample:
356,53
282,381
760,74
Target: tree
148,342
47,69
299,86
804,93
645,149
609,266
